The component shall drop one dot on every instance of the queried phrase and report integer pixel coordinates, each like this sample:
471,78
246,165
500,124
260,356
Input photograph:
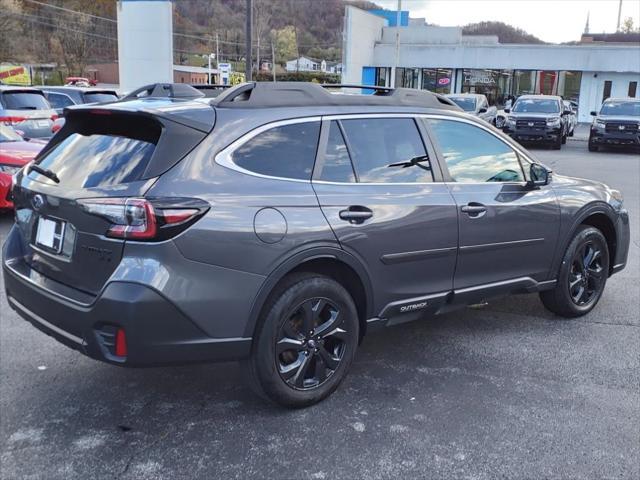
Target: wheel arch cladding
602,222
352,277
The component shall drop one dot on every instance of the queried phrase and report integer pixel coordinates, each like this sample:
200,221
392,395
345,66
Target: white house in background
306,64
303,64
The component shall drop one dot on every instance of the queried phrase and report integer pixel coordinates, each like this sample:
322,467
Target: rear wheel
306,341
583,275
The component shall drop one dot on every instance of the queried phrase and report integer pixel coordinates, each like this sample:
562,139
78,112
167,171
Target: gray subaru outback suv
279,223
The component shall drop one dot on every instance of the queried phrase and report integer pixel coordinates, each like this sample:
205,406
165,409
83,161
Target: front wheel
557,144
306,341
592,146
583,275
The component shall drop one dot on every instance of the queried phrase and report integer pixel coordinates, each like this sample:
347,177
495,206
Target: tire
557,145
290,366
579,288
564,139
592,146
572,132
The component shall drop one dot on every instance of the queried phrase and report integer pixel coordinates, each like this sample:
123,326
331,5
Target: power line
68,10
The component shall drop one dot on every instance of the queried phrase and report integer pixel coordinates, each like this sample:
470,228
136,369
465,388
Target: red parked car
15,153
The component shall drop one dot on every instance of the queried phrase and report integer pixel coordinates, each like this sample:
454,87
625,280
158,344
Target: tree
285,44
8,29
627,26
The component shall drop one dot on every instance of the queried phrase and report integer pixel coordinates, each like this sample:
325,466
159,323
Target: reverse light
143,219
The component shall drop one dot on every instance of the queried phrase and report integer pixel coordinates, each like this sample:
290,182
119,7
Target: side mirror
507,110
566,112
482,110
594,114
538,175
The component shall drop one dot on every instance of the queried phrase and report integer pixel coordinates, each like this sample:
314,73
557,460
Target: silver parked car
26,109
475,104
572,117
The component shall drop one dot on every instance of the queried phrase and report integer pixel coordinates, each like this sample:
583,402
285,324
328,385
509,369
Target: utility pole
247,48
619,14
217,57
273,60
397,62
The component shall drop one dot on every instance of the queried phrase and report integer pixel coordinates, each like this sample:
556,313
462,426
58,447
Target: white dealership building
444,60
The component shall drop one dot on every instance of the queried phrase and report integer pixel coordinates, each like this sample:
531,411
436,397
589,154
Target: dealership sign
15,75
479,77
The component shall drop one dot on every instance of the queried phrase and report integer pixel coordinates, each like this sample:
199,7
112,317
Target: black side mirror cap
482,110
507,110
539,175
594,114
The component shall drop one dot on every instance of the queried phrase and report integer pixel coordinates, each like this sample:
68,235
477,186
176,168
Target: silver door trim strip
46,324
491,246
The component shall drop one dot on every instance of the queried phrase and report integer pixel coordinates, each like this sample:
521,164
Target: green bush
317,77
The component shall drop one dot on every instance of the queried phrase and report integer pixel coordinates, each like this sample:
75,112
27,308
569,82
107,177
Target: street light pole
209,71
247,54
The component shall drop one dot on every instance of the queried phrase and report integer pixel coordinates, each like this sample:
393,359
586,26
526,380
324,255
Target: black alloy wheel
311,344
586,274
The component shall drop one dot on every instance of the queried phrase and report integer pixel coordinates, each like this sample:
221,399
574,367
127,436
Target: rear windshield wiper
46,172
415,161
27,108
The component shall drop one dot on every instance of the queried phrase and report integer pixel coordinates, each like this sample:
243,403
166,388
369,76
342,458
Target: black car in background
538,119
617,124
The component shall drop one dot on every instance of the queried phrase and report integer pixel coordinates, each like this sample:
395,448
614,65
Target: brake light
12,120
144,219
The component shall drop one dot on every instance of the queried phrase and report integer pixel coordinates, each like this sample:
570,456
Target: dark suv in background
616,125
279,223
63,97
538,119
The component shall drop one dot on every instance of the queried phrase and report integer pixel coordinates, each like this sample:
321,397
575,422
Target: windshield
621,108
24,100
535,105
467,104
97,97
8,134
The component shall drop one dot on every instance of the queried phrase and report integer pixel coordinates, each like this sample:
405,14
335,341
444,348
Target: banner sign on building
15,75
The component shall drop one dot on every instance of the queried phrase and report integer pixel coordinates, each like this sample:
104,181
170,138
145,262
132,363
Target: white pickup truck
475,104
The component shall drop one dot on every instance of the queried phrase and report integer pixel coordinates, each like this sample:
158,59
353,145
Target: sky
553,21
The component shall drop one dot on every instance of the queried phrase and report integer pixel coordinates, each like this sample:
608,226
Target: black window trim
51,92
225,156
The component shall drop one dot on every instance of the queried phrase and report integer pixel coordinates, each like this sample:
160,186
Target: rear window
288,151
24,101
90,97
96,152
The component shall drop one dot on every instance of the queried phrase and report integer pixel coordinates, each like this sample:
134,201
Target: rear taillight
12,120
145,219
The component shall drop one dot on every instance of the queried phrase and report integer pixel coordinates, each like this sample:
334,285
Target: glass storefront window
407,77
437,80
569,85
383,76
495,84
524,82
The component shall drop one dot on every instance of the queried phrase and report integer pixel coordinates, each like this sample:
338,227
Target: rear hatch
100,160
27,110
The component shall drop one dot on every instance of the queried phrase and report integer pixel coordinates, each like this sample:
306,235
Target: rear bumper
157,332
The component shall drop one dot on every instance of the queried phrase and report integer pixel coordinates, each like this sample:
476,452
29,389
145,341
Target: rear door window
288,151
99,153
387,150
24,101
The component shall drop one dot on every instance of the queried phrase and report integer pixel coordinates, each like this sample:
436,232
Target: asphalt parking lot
503,391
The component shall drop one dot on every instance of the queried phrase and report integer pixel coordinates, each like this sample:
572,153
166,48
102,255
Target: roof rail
360,87
305,94
165,90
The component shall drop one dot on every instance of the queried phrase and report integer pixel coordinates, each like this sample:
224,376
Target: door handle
356,214
474,210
